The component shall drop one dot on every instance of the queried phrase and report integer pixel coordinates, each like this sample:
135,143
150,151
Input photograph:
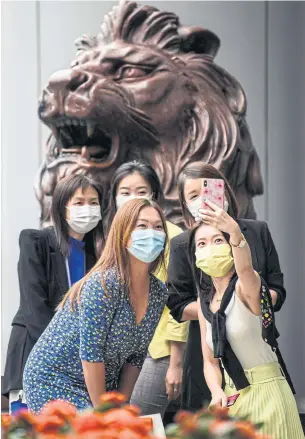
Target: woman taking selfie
161,376
237,327
50,261
182,290
98,339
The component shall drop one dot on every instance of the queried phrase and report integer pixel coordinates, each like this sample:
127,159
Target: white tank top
244,333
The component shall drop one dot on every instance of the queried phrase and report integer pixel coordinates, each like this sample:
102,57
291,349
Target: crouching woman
98,339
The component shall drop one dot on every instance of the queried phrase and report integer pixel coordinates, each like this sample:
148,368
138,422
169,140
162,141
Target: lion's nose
69,79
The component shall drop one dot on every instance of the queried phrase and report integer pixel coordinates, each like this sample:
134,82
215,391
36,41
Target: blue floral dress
102,328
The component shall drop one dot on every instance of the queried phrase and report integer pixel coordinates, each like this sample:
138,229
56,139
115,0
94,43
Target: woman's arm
94,374
128,378
33,284
96,312
211,367
182,300
248,284
173,379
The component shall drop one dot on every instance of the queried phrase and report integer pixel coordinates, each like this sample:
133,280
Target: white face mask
84,218
196,204
122,199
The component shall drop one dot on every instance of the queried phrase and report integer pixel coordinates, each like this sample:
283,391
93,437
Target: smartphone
213,189
232,399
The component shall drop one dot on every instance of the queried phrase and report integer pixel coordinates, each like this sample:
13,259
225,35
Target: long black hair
204,285
64,191
204,170
146,171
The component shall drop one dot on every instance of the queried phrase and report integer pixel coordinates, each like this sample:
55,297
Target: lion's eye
132,72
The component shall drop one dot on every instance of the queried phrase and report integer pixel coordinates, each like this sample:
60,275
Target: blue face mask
146,244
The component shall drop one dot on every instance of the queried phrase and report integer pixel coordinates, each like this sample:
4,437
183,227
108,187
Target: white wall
257,42
20,144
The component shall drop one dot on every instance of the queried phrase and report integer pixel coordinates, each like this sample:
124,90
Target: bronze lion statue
146,88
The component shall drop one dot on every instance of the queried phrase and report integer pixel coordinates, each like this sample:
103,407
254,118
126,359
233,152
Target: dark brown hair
115,254
135,167
204,285
203,170
64,191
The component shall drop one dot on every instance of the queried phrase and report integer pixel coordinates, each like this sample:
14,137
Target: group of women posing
95,314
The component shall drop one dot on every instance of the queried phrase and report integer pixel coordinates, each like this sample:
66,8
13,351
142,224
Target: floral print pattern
102,328
266,308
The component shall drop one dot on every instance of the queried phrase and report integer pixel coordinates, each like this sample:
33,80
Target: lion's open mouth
85,139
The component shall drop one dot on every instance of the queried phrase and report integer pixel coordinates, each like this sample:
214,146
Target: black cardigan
42,282
182,291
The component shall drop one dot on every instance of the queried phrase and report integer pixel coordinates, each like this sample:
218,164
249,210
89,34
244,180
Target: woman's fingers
207,212
213,206
224,401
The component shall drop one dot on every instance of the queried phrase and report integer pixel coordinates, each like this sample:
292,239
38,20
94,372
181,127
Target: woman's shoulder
181,239
32,236
108,278
252,224
158,285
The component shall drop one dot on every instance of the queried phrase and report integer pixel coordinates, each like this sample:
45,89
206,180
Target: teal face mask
147,244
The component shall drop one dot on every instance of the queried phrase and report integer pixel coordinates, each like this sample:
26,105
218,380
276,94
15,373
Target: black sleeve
274,276
181,287
33,284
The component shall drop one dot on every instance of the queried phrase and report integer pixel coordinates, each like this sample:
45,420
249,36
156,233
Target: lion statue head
146,88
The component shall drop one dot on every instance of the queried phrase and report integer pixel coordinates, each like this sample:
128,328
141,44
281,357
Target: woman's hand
173,382
219,218
219,398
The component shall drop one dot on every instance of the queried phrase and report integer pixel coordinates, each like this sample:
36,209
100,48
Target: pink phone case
213,190
232,399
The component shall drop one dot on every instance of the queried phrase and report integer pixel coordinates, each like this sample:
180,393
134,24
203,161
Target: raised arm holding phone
238,328
182,289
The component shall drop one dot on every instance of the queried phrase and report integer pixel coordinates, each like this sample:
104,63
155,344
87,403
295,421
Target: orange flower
97,434
48,424
60,408
88,421
246,429
149,423
24,415
121,418
187,421
5,421
219,412
113,397
133,409
181,415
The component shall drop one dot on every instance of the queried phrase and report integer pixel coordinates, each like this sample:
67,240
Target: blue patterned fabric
102,328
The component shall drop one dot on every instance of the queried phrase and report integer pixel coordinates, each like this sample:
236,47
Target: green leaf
105,407
172,430
259,425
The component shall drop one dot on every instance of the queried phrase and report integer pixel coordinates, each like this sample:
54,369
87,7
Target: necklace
219,300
